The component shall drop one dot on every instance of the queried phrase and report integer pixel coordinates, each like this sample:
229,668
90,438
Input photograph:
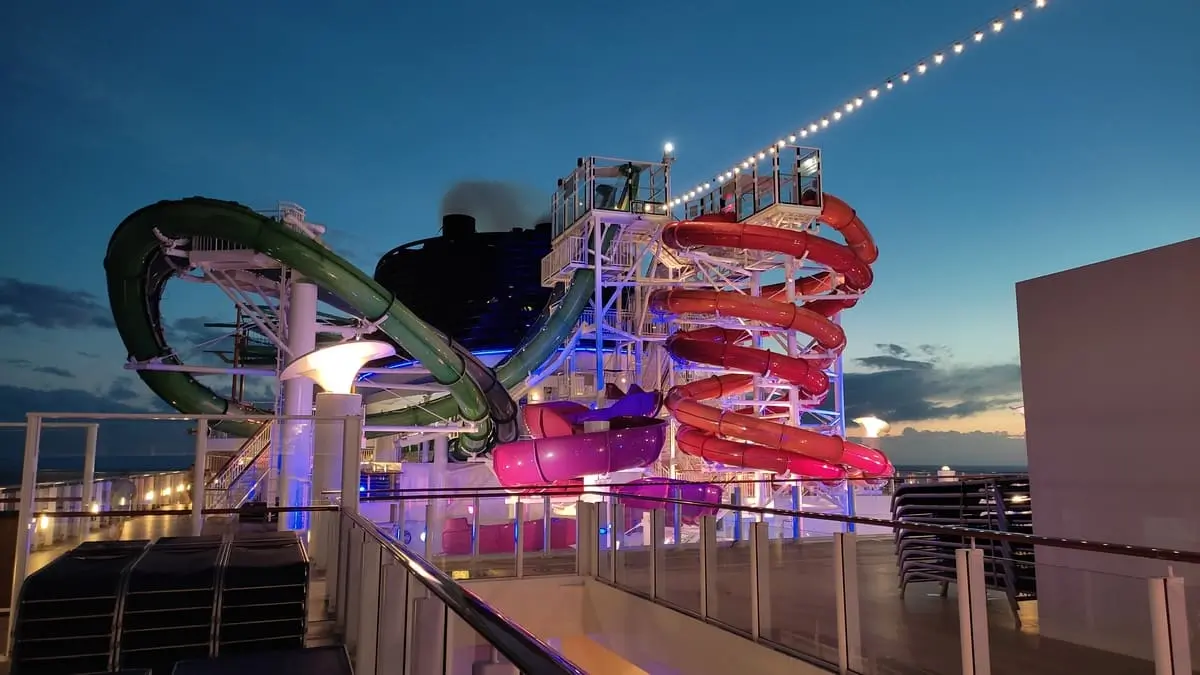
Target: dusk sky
1067,139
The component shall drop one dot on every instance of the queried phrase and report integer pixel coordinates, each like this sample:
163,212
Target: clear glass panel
467,651
479,537
549,536
1063,618
801,602
634,550
910,624
731,604
679,571
393,619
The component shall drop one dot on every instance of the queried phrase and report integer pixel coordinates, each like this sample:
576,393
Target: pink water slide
561,453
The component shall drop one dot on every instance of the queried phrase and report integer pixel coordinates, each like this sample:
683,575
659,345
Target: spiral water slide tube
736,438
137,269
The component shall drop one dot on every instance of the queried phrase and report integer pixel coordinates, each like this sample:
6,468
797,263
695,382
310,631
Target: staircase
238,479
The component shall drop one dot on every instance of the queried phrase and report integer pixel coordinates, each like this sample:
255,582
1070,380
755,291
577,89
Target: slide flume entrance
736,438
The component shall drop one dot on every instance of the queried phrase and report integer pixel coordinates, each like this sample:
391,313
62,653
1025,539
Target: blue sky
1065,140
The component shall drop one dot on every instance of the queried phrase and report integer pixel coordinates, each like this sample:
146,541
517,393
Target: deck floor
913,634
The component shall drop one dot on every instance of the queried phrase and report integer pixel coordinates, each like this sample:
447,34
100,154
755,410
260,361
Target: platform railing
835,598
399,613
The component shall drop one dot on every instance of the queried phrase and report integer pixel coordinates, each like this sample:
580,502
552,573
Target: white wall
1110,365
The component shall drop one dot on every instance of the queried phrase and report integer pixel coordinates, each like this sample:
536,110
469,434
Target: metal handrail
1168,555
522,649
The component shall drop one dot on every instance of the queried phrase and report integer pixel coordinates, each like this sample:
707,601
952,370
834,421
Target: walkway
915,634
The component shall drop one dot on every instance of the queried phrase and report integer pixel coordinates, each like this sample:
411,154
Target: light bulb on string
921,67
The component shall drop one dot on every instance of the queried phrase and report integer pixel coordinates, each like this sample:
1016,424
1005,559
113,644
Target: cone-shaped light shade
333,368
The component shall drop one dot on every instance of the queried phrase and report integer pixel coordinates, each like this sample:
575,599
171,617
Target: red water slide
714,434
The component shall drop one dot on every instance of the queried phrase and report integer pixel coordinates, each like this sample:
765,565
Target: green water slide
137,270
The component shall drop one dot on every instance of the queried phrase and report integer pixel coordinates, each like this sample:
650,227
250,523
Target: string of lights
937,58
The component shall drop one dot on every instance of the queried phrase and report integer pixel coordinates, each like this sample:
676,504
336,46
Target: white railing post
1169,624
972,612
585,530
519,524
394,607
427,635
87,493
198,477
33,440
351,461
708,566
351,587
368,608
760,580
616,530
845,584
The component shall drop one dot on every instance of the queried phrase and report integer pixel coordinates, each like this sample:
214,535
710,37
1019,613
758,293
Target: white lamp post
336,445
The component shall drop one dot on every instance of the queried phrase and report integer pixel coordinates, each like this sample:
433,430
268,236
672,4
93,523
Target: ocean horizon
64,469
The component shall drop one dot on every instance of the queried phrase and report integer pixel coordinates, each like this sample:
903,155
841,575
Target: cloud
914,385
26,364
496,205
962,451
24,303
122,391
122,444
195,330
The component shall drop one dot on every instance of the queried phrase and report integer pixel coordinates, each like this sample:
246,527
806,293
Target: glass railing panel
1062,618
634,548
905,614
798,596
731,580
678,581
549,535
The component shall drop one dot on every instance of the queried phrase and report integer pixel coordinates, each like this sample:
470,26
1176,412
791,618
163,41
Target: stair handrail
254,446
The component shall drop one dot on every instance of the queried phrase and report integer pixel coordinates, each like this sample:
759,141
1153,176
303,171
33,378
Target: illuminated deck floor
914,634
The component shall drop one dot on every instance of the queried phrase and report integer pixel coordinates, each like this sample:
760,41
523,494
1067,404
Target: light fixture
872,425
333,368
995,25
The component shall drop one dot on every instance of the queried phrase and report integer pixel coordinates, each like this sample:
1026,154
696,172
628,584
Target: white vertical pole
708,567
33,440
351,461
87,487
1169,627
760,584
89,464
598,302
297,443
437,479
199,460
849,611
972,612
